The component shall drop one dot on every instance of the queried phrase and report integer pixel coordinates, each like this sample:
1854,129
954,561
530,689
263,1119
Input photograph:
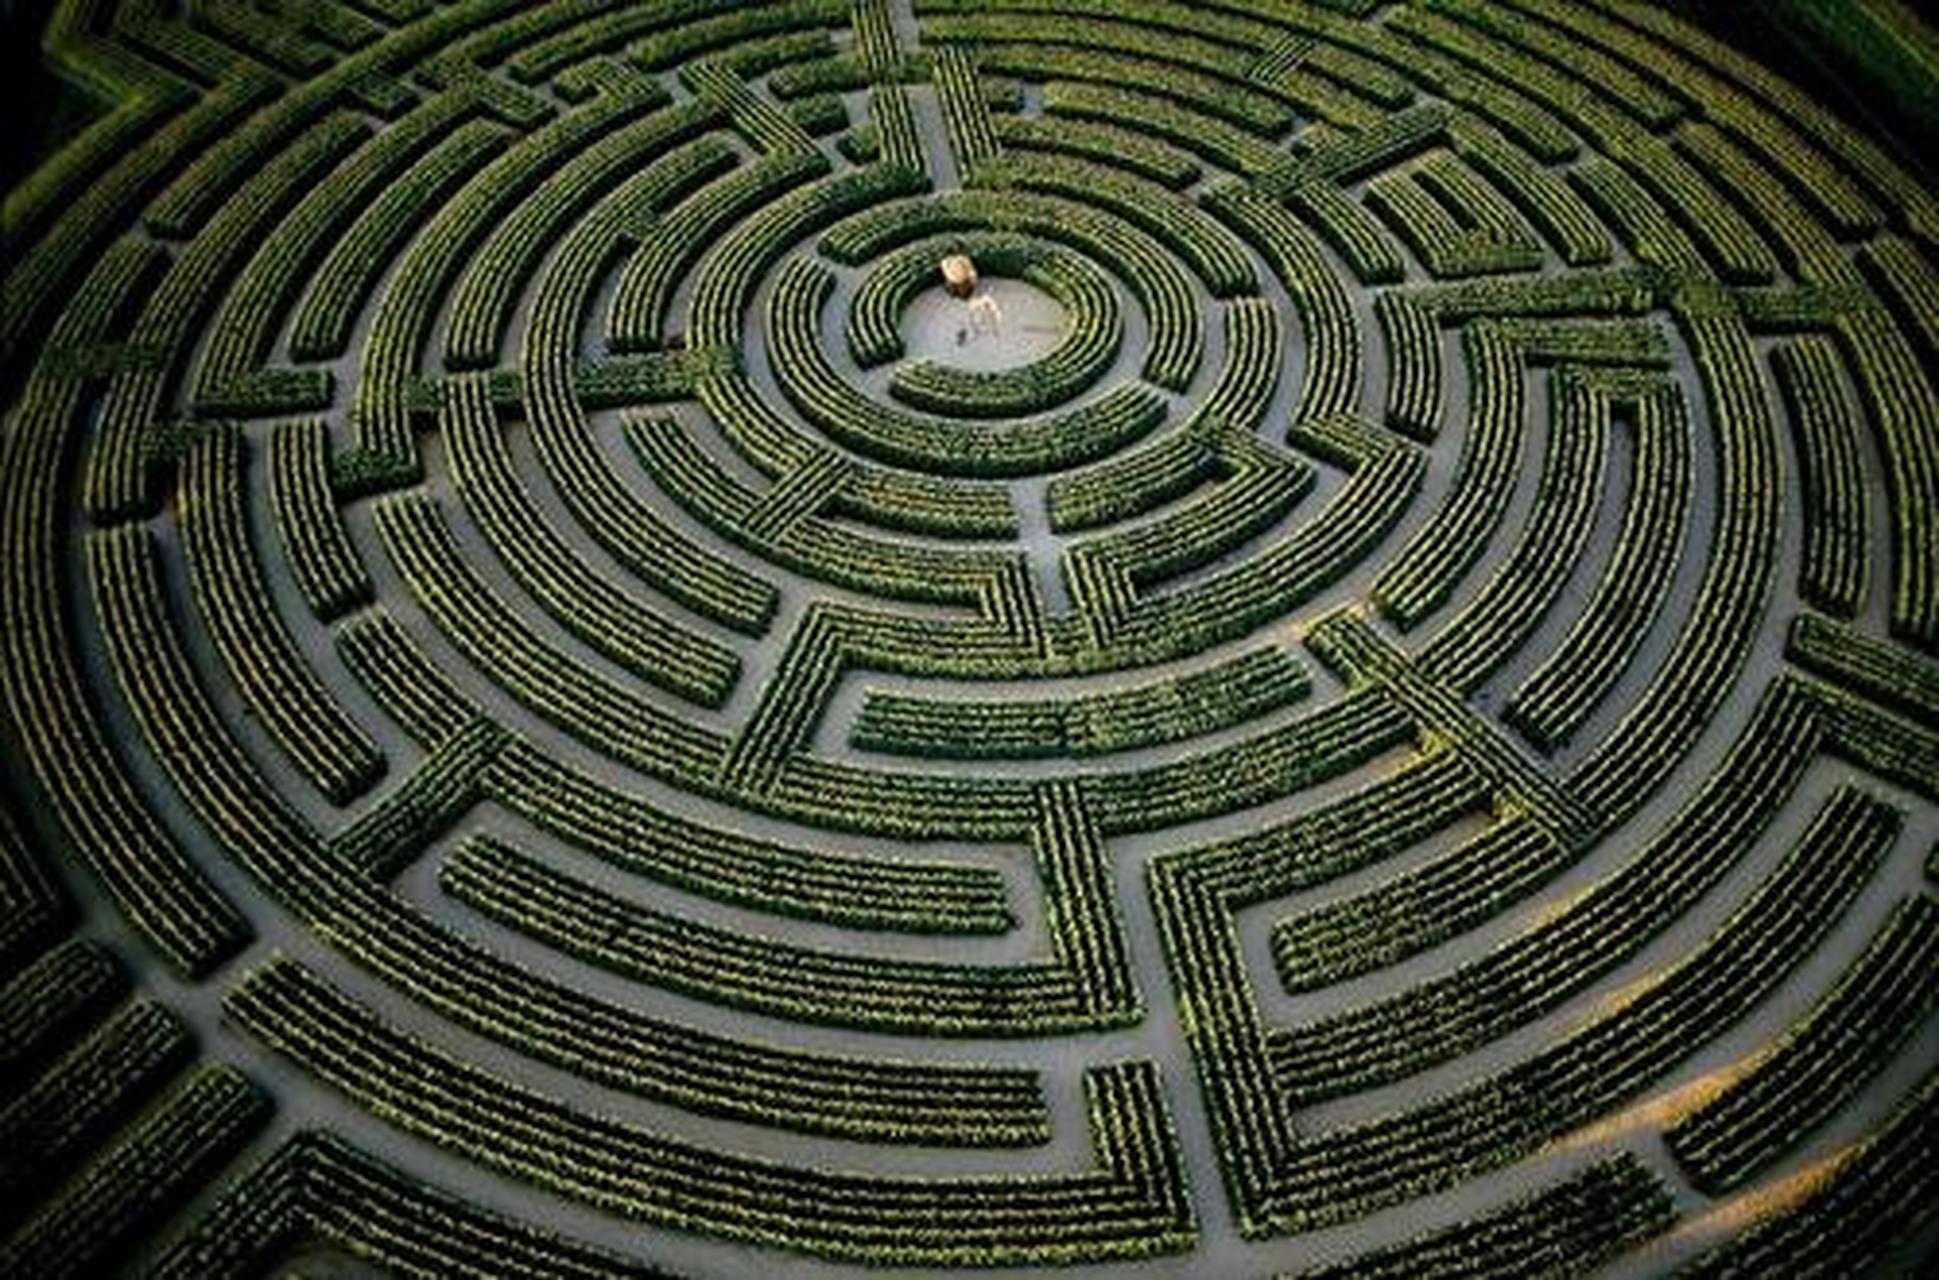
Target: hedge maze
549,730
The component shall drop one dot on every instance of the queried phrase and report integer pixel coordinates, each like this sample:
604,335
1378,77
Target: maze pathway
544,735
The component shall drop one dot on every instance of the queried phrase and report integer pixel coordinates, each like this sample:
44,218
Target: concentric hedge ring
1417,717
1087,348
926,443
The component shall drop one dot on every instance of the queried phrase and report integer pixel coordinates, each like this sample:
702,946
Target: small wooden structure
959,275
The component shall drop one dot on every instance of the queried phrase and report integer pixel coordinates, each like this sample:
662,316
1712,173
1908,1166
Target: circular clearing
1026,325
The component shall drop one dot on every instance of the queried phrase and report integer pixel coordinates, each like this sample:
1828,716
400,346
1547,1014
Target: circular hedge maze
545,736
